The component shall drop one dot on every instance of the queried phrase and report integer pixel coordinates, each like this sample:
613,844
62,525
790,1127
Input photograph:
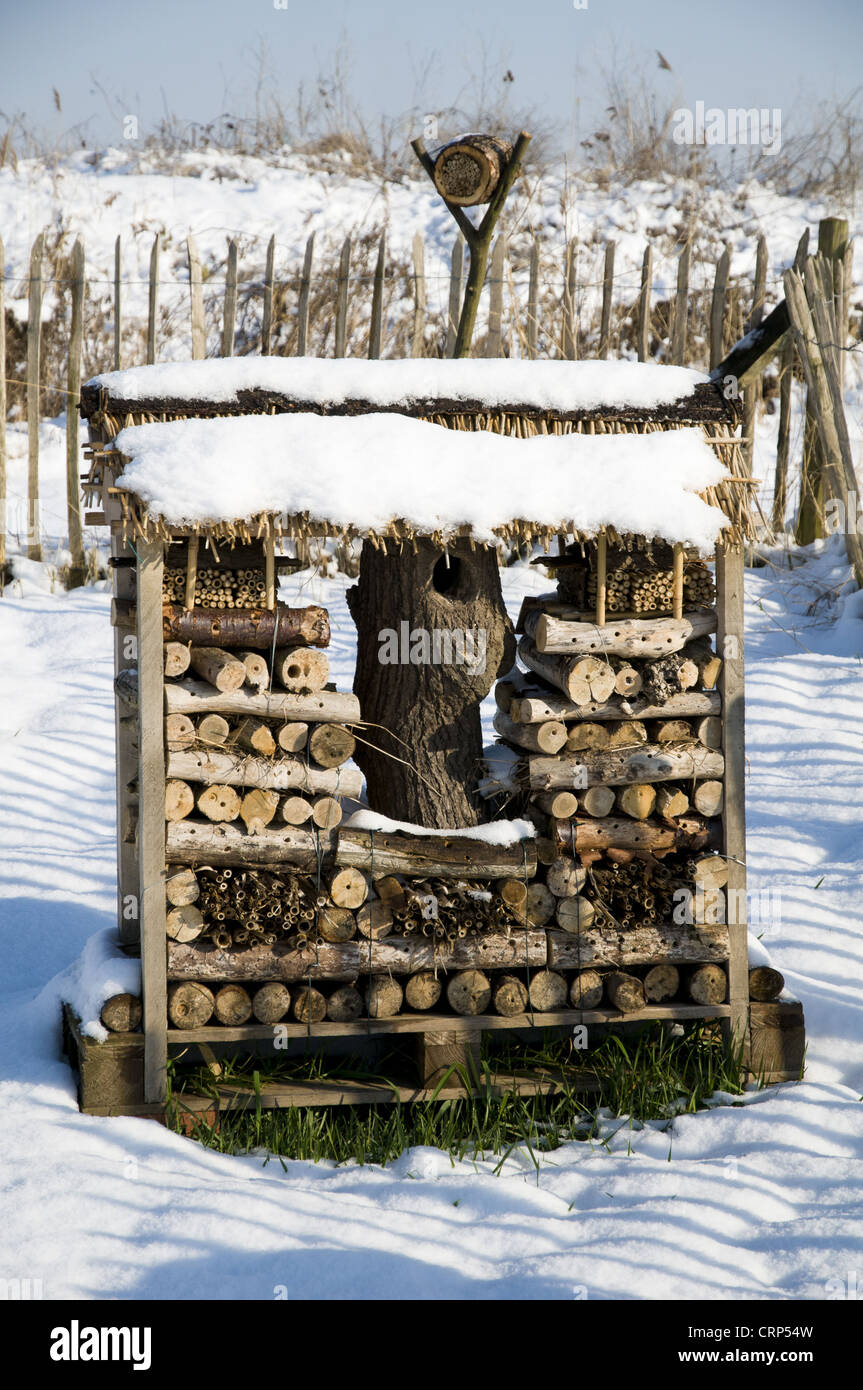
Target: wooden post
455,294
533,300
341,331
377,317
607,295
151,816
3,489
419,324
230,312
601,557
270,567
681,308
832,244
154,297
495,298
644,304
570,328
191,572
34,348
303,301
780,479
677,581
267,315
118,306
73,395
196,300
729,646
717,306
752,392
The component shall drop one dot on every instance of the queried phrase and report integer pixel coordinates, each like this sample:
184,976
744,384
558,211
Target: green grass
651,1075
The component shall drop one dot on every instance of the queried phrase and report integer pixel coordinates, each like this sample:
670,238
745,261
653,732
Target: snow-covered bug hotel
299,863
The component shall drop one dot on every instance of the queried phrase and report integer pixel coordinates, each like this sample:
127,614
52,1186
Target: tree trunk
425,700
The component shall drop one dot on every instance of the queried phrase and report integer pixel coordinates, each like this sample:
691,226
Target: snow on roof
366,474
333,382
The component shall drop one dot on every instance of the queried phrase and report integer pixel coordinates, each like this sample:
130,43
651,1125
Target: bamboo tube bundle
217,587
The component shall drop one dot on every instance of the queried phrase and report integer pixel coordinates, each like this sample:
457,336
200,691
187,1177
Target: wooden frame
729,646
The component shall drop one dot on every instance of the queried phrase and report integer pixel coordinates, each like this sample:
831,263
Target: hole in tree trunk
447,577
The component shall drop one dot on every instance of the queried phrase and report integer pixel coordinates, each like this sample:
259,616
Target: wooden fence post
607,294
73,396
832,243
533,300
154,297
570,327
419,323
341,333
644,304
229,321
752,393
377,317
267,315
717,306
681,308
455,293
495,300
783,439
34,348
118,306
3,496
196,300
151,819
303,300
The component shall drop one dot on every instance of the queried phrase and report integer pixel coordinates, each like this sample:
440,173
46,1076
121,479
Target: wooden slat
607,301
73,395
341,330
151,821
303,300
644,304
418,333
376,321
196,300
229,319
717,306
267,315
495,306
455,294
681,308
570,327
729,645
153,305
118,305
34,353
533,300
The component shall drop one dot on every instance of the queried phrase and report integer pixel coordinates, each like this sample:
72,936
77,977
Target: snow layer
546,385
500,832
366,471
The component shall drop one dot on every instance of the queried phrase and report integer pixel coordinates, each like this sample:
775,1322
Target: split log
257,670
648,638
507,689
232,1006
179,732
256,737
182,887
765,983
258,808
625,992
534,706
212,729
384,997
345,1004
671,802
597,801
271,1002
179,800
627,734
586,990
323,706
302,669
257,629
295,810
671,676
177,659
559,804
637,800
616,768
184,923
513,892
469,992
281,774
586,735
575,914
336,923
374,919
707,797
674,731
709,732
219,667
309,1005
348,888
539,738
603,833
219,803
710,871
708,985
467,170
423,990
565,878
645,944
190,1004
122,1013
510,996
331,745
661,982
326,812
547,991
293,737
540,905
391,892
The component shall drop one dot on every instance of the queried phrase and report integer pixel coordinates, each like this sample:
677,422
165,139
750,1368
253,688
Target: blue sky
197,58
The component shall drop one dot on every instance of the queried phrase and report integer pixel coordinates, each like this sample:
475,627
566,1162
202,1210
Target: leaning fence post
73,395
34,349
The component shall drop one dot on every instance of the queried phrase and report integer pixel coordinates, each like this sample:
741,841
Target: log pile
639,577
